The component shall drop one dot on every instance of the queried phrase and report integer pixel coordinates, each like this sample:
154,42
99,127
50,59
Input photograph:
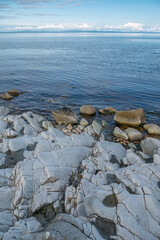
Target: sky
85,15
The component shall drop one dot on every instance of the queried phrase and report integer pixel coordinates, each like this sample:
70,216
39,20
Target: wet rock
13,92
107,110
131,118
65,116
149,145
152,129
119,133
110,110
101,111
133,134
6,96
84,122
87,110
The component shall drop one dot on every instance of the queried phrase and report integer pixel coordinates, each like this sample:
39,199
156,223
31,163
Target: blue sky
100,15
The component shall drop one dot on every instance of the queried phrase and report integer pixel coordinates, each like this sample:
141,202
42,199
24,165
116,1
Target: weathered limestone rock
75,187
119,133
87,110
2,159
152,129
65,116
125,199
97,128
3,112
46,124
84,122
9,133
149,145
28,229
156,159
73,228
132,158
133,134
109,149
131,118
3,126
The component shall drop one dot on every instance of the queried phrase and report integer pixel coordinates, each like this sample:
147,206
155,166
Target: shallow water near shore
116,70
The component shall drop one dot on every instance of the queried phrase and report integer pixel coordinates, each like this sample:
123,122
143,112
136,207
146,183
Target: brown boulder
65,116
87,110
14,92
6,96
131,118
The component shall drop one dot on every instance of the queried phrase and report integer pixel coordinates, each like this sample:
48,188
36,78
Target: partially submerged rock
6,96
87,110
14,92
65,116
10,94
152,129
131,118
107,110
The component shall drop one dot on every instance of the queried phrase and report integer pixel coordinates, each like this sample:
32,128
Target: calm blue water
122,71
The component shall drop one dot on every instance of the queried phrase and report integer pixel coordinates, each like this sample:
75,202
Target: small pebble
69,127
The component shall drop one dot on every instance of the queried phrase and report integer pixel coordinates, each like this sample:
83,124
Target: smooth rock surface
152,129
6,96
149,145
87,110
119,133
131,118
133,134
13,92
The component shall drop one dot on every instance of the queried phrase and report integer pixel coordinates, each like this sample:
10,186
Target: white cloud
127,27
20,28
51,27
130,26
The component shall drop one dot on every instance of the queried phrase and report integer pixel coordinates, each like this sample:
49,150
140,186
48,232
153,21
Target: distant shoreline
86,32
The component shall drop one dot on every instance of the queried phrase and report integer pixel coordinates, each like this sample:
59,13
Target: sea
53,70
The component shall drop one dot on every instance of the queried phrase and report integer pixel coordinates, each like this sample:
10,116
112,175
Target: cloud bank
128,27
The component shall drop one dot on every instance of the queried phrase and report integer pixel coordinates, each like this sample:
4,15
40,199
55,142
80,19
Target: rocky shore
70,183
